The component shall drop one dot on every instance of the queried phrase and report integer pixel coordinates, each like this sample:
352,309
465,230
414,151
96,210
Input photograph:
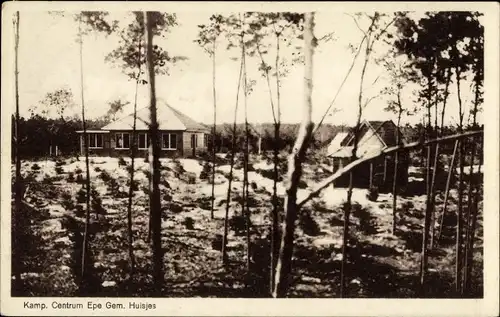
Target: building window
95,141
169,141
122,141
143,141
205,140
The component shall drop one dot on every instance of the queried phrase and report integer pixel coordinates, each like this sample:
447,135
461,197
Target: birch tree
207,38
271,31
295,160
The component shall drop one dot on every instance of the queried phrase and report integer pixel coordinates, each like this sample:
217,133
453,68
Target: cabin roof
385,131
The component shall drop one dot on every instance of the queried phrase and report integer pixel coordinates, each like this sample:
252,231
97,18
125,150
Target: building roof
168,118
335,145
385,131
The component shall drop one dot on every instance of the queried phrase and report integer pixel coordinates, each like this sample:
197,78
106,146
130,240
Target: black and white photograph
245,151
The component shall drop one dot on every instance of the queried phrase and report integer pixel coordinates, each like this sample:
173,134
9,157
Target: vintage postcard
250,159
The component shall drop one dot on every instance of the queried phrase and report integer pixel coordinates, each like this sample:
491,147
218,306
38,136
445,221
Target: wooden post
425,231
50,150
433,198
385,169
447,190
469,219
259,144
371,174
57,150
459,226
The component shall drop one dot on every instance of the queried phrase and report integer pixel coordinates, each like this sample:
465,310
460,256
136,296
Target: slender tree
150,19
87,168
18,186
295,160
233,151
87,21
133,154
207,38
476,51
399,76
246,87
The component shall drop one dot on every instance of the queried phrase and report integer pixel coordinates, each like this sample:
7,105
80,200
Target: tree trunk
213,130
473,200
85,249
345,237
283,266
433,197
446,93
458,263
17,269
425,231
447,189
275,214
470,242
132,171
230,180
468,251
371,174
347,207
395,175
246,210
154,190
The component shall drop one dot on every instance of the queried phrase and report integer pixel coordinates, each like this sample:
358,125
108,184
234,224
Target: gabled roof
335,145
385,131
168,118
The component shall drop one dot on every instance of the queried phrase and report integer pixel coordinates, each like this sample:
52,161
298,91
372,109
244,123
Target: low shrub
135,184
121,161
67,201
372,194
60,163
96,202
237,223
206,172
35,167
188,223
188,177
308,224
80,179
59,170
71,177
217,242
81,195
174,207
105,176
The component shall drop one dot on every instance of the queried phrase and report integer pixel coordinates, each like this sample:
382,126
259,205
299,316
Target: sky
49,60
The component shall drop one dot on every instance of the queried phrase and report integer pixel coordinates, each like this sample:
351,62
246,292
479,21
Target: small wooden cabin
374,136
180,136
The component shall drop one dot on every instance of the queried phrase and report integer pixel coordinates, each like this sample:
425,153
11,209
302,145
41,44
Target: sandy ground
380,264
